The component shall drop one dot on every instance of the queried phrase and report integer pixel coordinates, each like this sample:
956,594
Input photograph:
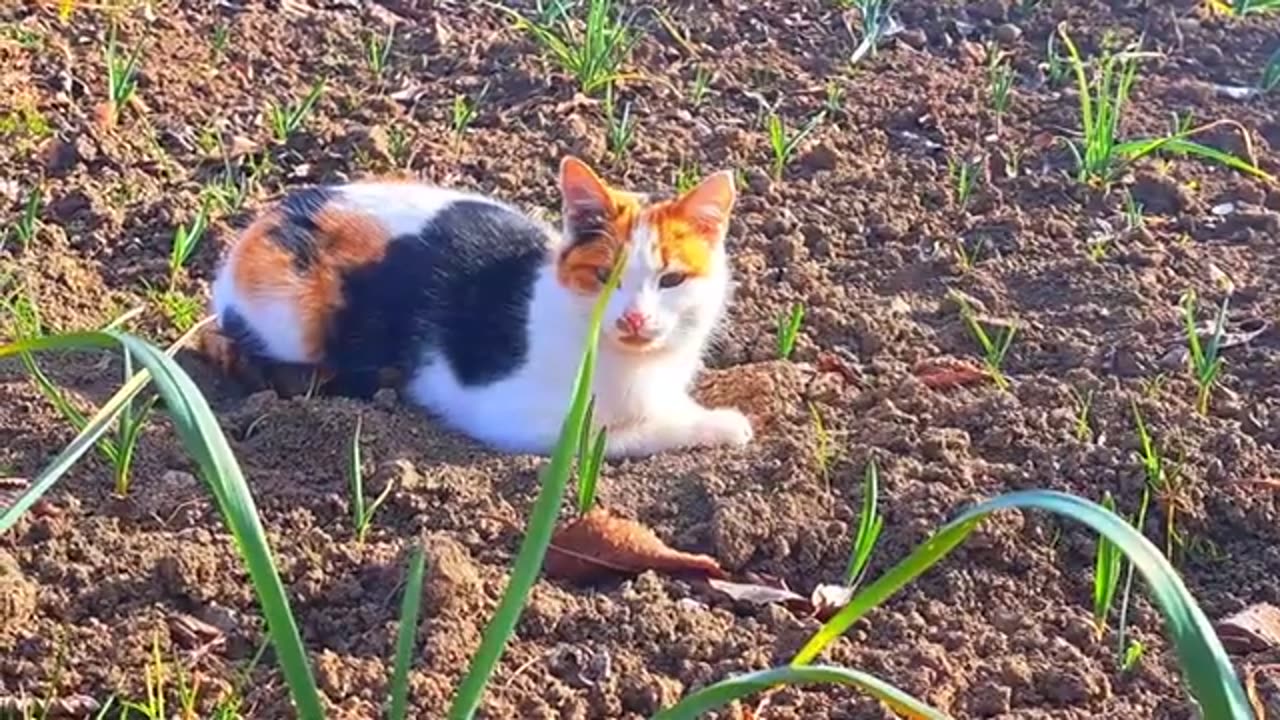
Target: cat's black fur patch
232,325
458,290
297,230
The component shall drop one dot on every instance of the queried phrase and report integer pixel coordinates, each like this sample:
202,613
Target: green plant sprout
993,351
1000,82
833,105
1084,406
870,523
875,23
464,112
619,130
1055,67
119,450
1132,655
122,76
1205,361
687,176
1270,78
377,52
1161,480
1106,574
219,40
185,240
1133,218
590,460
784,144
966,257
399,146
788,330
592,50
228,192
28,225
361,512
701,85
964,176
1240,8
285,120
1101,153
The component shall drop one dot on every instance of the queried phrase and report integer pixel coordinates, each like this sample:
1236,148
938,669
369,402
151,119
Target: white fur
641,396
272,315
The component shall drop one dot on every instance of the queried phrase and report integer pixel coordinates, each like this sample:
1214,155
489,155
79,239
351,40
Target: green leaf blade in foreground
726,691
1209,674
202,437
409,607
554,478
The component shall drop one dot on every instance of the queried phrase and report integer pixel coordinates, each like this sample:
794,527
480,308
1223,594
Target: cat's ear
585,198
708,204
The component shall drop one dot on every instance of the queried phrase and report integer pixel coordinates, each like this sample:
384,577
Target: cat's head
676,279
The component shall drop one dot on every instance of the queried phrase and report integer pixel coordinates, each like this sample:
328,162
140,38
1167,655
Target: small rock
59,156
1160,195
759,181
1072,686
821,157
993,10
454,581
1007,33
914,37
989,699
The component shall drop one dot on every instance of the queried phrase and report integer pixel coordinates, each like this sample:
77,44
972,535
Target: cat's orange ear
583,194
708,204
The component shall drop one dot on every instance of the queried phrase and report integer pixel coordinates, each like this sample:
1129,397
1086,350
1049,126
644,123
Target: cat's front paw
723,426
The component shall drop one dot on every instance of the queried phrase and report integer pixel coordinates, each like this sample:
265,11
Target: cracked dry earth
861,229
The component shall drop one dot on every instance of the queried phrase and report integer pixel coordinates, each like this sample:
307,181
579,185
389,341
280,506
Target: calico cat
484,311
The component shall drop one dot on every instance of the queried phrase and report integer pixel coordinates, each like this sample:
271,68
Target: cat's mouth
636,343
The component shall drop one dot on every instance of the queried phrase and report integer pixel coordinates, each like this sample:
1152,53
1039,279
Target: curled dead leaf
600,544
1253,629
943,373
759,594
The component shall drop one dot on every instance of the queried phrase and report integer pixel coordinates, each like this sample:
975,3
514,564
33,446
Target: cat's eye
602,274
671,279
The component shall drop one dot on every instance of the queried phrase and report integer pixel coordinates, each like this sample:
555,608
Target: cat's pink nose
632,321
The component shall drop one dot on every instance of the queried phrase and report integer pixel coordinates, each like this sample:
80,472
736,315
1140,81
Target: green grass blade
726,691
1134,149
870,524
533,549
201,435
408,631
355,479
1209,673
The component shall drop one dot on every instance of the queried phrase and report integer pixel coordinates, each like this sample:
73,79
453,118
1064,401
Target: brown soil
861,229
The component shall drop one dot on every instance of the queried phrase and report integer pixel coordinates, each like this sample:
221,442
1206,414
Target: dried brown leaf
601,544
758,594
1253,629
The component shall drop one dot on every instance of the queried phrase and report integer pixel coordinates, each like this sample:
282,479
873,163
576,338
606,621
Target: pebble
914,37
1007,33
821,157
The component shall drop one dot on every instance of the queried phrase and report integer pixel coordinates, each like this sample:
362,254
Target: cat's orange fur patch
259,260
344,240
347,240
580,267
682,244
